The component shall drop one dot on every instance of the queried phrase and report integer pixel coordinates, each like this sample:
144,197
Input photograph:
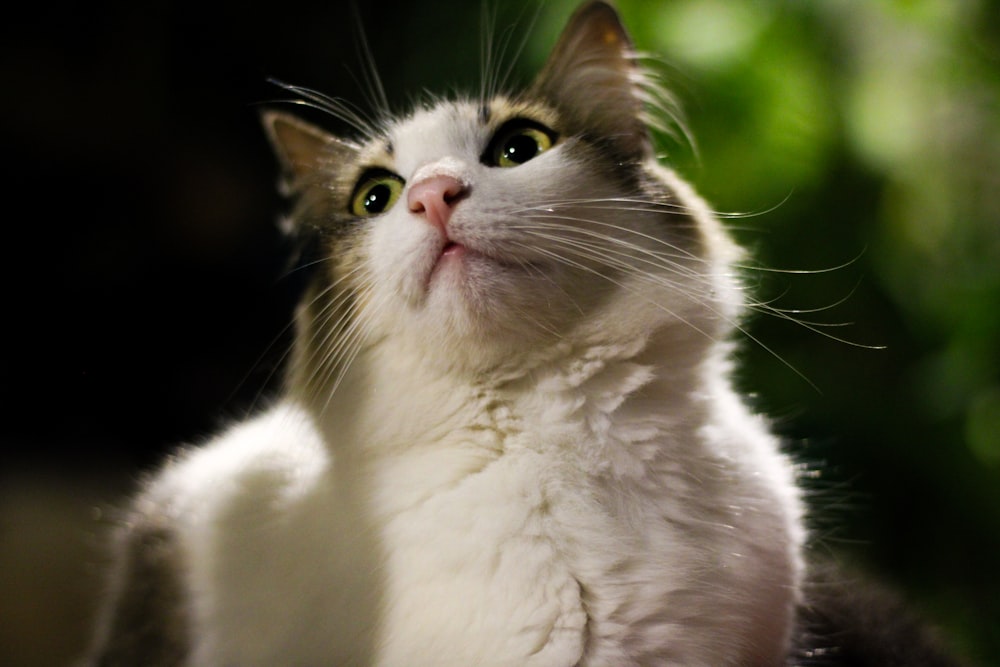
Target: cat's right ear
592,76
304,151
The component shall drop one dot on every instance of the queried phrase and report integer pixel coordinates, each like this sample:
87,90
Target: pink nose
435,197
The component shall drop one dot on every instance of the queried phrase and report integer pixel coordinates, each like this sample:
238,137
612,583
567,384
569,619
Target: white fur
511,528
513,471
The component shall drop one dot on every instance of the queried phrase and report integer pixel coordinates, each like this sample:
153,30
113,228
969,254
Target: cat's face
484,228
464,251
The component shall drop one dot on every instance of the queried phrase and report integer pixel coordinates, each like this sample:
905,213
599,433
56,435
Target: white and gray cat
509,436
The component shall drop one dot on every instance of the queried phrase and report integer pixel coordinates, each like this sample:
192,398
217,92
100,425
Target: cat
509,435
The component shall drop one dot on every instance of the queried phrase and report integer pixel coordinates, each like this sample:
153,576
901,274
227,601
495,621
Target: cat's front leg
145,622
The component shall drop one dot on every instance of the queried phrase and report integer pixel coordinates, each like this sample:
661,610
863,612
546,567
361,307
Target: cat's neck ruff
397,381
598,445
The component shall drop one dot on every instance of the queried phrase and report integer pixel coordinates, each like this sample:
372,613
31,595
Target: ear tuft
592,77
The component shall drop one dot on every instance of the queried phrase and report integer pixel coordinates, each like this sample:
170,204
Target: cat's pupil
520,148
377,198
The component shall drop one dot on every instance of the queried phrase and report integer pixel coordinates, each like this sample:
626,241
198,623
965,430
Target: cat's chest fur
544,520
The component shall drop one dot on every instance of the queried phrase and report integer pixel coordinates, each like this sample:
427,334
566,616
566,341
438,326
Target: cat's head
483,229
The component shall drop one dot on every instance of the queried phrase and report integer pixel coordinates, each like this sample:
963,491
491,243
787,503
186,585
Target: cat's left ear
594,80
303,150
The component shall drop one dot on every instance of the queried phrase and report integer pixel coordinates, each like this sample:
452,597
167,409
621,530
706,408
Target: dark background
145,293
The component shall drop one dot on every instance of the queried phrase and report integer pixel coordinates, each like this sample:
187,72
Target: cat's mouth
451,255
450,251
459,257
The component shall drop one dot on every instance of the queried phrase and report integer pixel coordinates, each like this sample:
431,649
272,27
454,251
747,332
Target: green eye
377,190
517,142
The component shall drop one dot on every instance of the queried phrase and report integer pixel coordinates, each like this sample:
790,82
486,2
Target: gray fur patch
148,624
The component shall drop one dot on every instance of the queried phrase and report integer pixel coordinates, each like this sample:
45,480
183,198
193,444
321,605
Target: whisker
334,106
627,261
664,260
803,272
677,289
487,28
373,88
583,267
611,204
637,204
493,53
259,395
685,254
